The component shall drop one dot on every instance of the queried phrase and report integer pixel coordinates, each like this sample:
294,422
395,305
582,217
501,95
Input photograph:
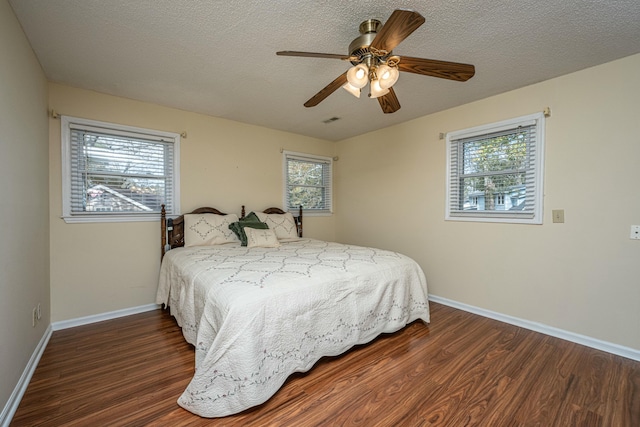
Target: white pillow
283,224
261,238
208,229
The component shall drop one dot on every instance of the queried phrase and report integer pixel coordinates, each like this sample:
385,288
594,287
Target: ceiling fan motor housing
359,47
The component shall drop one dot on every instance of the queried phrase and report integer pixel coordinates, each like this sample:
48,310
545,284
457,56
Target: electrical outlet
635,232
34,317
39,311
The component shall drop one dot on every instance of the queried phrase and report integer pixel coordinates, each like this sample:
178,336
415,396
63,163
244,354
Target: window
307,183
494,172
117,173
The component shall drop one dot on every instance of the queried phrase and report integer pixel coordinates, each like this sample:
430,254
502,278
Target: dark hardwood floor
461,370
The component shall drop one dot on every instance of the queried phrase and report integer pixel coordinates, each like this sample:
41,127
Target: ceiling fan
374,63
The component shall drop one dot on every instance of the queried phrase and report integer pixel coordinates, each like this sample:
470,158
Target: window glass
117,173
494,172
307,182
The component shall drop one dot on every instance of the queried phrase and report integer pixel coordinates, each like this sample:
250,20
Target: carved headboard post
300,221
163,229
242,212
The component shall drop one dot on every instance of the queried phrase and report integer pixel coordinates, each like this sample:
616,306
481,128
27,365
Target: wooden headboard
297,219
172,230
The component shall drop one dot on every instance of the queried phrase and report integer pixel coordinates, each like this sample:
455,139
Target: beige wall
24,246
580,276
98,268
576,276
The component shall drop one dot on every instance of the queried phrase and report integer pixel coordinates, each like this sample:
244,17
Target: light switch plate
635,232
558,215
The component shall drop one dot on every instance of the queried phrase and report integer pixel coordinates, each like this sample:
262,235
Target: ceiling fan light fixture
355,91
358,76
377,90
387,76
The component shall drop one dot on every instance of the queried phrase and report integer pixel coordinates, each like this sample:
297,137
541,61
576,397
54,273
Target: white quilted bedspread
257,315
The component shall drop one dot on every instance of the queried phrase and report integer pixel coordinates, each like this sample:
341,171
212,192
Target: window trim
116,129
538,120
285,187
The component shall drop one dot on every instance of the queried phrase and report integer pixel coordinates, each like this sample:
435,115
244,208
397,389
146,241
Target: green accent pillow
252,217
251,221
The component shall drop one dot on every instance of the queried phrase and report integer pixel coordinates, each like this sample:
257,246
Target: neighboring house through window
117,173
307,183
495,171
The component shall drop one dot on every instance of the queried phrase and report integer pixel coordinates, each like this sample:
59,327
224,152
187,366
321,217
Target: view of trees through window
493,172
121,174
306,184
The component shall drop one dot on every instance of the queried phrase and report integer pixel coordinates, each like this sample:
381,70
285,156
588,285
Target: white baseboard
65,324
14,400
619,350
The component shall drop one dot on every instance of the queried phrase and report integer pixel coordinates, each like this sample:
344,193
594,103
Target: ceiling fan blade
327,90
400,24
389,102
442,69
312,54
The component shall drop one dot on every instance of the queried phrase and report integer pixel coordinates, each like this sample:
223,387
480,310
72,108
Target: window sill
84,219
495,218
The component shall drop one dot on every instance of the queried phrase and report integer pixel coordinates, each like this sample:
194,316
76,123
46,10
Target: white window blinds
308,182
494,172
118,172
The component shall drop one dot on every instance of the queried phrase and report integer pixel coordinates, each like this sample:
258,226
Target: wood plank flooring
461,370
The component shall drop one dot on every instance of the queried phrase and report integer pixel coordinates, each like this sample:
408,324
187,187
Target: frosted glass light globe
358,76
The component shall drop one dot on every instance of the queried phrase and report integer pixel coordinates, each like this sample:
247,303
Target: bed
258,313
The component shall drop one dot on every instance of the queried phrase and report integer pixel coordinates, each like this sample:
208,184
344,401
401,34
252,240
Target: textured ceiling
218,57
